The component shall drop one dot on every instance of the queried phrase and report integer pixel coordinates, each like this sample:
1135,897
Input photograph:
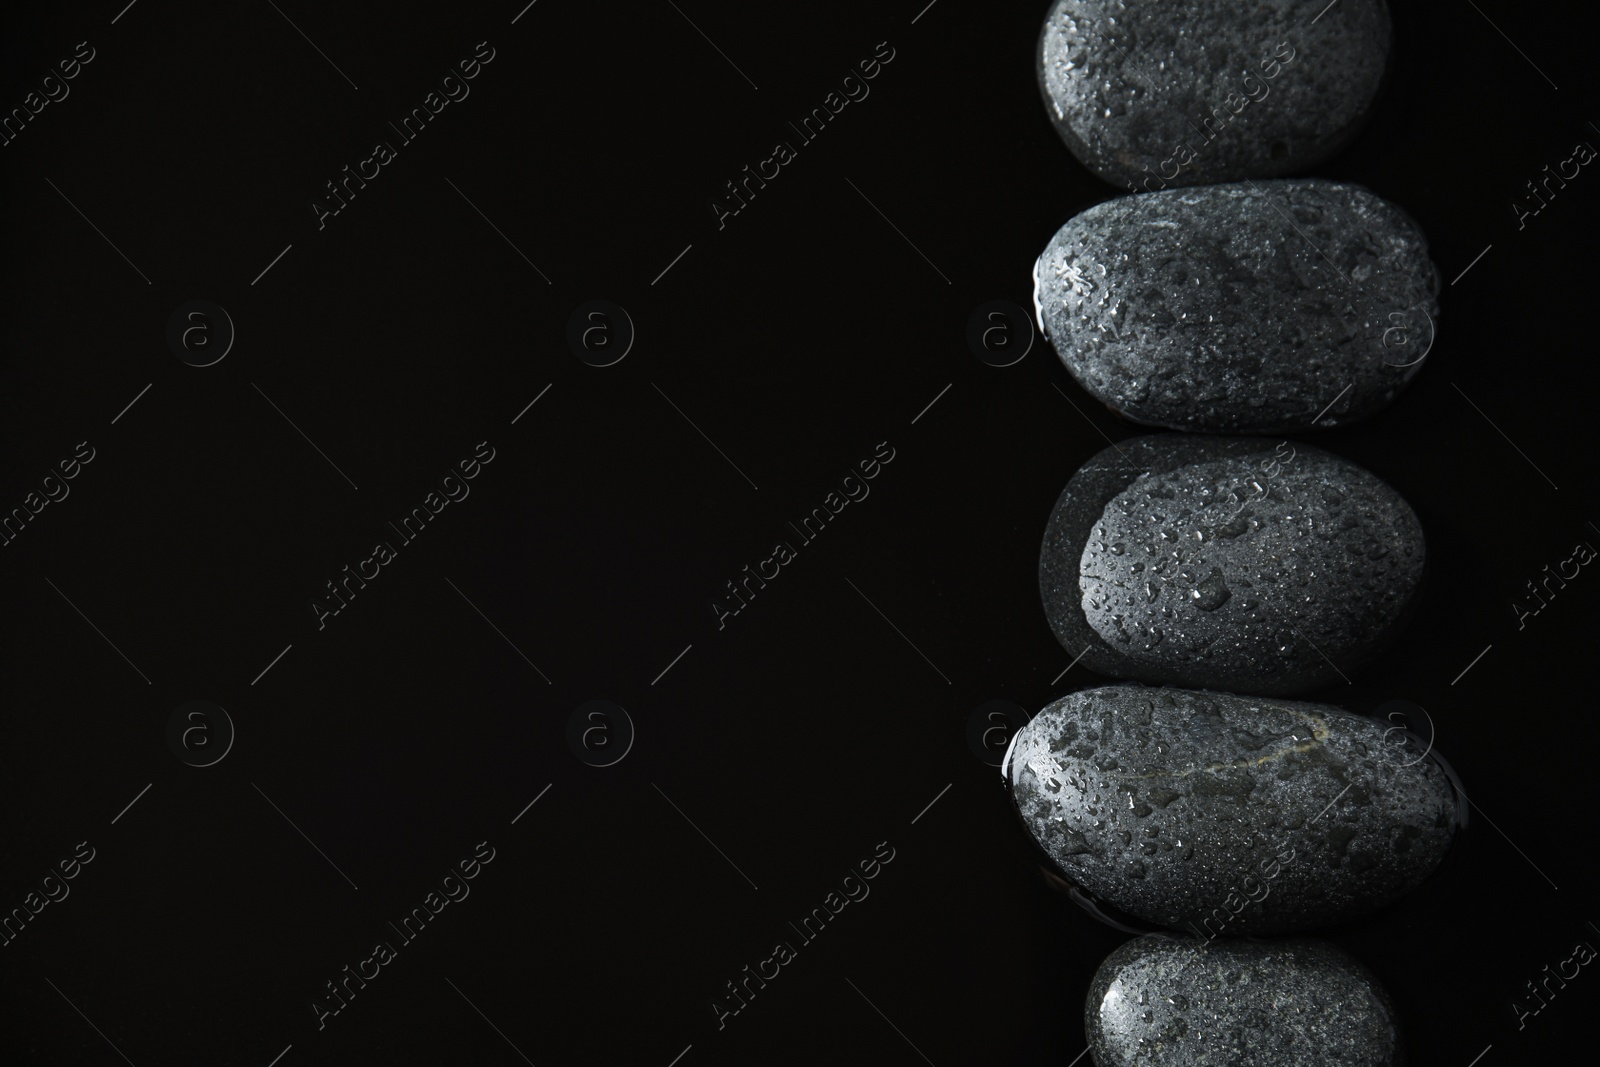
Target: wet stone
1262,307
1155,95
1232,563
1222,815
1178,1002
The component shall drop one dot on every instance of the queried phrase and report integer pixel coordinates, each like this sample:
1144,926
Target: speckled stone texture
1228,563
1149,95
1261,307
1177,1002
1223,815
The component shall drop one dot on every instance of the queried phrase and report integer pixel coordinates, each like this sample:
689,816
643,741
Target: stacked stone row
1221,568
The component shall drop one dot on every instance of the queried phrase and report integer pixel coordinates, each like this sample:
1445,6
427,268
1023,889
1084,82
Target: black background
797,338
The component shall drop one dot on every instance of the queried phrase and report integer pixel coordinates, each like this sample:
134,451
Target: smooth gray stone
1231,563
1224,815
1261,307
1178,1002
1150,95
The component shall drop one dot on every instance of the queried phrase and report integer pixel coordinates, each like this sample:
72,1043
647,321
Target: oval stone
1177,1002
1255,308
1219,814
1229,563
1155,95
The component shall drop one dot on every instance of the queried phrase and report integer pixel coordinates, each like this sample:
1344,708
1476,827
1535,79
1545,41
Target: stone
1230,563
1149,96
1224,815
1262,307
1177,1002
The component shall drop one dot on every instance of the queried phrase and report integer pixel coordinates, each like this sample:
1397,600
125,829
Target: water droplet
1235,526
1212,592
